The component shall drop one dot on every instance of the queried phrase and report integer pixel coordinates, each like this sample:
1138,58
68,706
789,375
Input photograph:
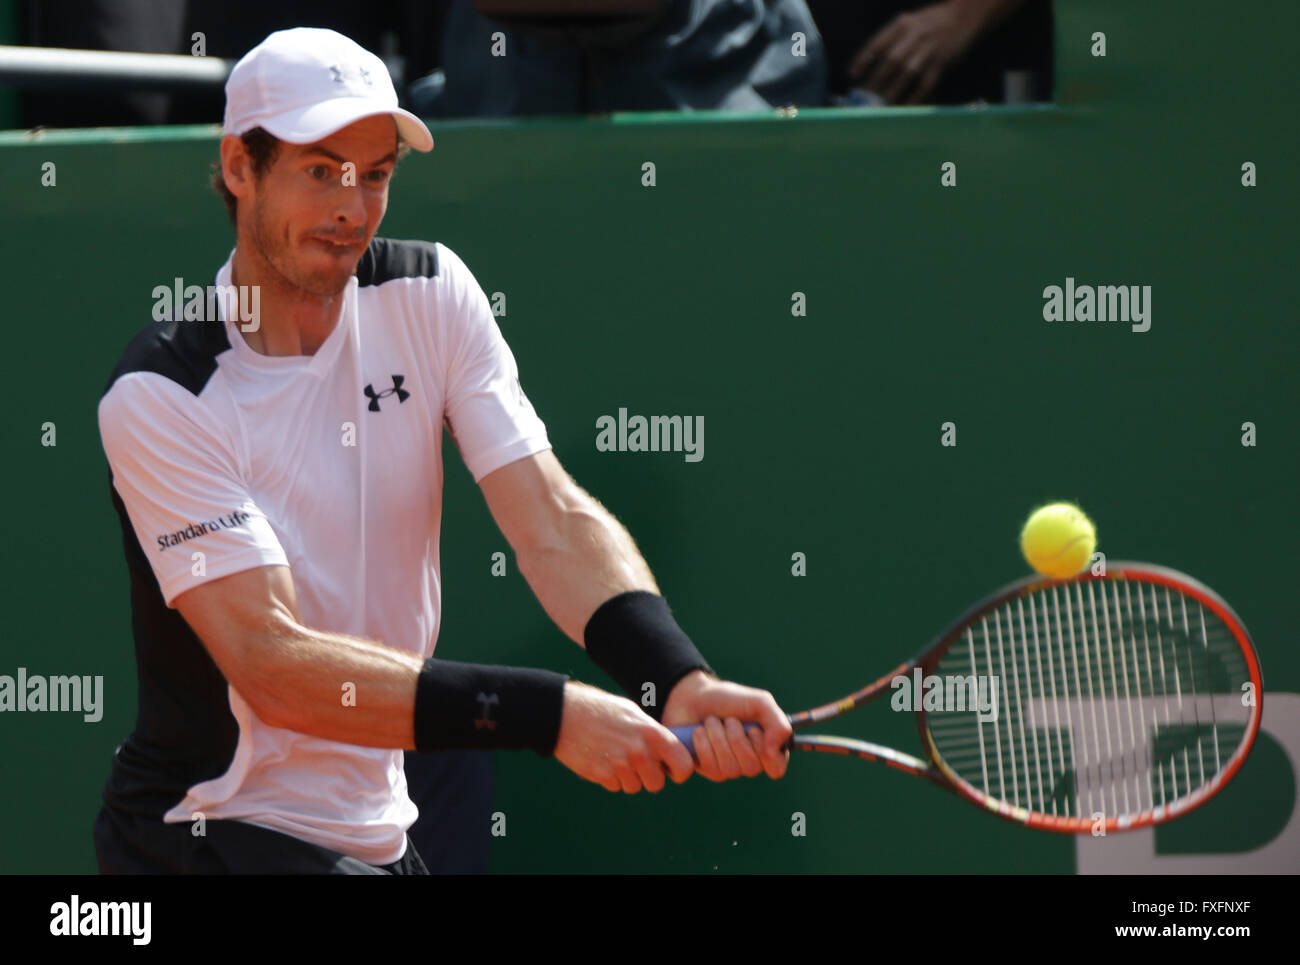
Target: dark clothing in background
698,55
143,26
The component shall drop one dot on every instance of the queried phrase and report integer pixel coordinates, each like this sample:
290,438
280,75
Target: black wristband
634,638
469,706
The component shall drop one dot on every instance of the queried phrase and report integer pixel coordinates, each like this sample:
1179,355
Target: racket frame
939,772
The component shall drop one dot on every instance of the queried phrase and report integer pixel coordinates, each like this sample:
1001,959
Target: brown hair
262,147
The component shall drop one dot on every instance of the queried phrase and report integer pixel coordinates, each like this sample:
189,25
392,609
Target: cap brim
306,125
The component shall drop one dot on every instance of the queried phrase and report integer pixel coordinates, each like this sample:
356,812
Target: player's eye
378,177
318,171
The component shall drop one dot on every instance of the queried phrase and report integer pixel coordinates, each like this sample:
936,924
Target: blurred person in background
503,58
951,52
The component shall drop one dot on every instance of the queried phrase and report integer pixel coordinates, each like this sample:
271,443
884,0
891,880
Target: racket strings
1113,697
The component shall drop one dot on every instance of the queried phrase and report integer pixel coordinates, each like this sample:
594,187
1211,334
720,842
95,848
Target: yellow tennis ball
1058,540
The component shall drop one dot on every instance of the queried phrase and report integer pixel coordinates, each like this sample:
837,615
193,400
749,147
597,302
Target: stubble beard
276,252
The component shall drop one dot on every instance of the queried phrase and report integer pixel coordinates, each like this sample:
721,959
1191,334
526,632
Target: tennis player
278,478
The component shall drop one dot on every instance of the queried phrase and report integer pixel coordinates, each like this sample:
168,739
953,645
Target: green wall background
822,432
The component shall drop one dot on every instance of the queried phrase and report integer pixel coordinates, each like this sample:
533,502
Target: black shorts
128,843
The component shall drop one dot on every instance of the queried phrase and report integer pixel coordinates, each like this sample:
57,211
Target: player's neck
290,321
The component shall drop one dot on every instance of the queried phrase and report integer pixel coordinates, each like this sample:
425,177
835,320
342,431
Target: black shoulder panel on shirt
185,352
386,259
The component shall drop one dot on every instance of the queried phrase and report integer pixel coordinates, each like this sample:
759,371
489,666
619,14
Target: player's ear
236,165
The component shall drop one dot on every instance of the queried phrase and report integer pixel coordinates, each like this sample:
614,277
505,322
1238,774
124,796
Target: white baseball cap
306,83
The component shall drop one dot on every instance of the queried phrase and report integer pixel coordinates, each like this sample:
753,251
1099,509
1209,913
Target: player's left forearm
587,557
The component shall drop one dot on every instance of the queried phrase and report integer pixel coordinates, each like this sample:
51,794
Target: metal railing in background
58,67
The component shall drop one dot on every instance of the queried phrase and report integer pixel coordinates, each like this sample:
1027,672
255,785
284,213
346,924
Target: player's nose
350,209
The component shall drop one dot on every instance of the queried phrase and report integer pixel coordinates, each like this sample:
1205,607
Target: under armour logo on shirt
401,393
488,703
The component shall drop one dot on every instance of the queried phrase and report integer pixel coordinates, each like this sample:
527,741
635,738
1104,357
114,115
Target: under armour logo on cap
304,84
340,75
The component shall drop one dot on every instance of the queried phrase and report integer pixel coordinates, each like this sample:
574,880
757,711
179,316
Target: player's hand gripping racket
1122,701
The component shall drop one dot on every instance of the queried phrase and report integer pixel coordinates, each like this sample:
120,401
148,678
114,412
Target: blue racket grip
686,734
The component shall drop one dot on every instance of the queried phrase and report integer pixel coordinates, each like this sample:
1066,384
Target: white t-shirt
225,459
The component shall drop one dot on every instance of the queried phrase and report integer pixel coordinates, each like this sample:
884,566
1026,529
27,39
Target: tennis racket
1112,701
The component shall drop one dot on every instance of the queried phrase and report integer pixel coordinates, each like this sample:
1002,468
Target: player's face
316,209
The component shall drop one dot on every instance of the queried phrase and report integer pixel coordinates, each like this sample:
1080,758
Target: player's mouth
337,246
